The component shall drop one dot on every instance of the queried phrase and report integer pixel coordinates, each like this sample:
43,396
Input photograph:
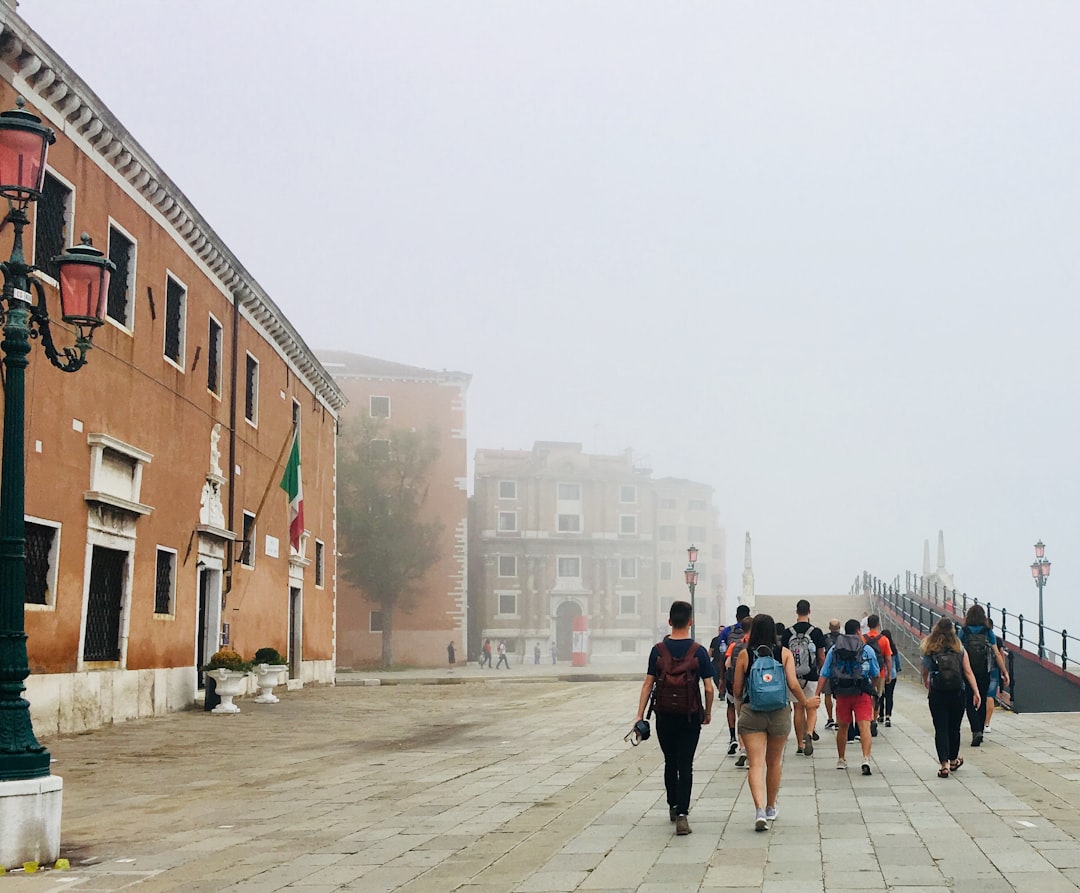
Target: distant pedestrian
995,681
945,668
765,683
502,657
485,654
536,654
554,653
450,654
885,704
807,646
831,636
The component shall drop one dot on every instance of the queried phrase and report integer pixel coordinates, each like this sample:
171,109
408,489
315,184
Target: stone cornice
60,94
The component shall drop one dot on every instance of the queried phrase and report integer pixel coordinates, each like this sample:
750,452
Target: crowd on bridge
773,678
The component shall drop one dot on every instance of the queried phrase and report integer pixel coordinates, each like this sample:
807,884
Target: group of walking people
773,678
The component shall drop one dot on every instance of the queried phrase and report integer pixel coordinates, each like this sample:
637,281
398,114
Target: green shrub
269,656
227,660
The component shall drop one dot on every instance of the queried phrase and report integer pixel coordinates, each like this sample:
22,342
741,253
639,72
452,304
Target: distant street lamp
1040,570
84,282
691,582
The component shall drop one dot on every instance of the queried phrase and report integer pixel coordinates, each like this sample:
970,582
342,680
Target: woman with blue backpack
764,679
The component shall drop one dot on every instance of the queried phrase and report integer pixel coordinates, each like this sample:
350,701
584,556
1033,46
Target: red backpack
677,690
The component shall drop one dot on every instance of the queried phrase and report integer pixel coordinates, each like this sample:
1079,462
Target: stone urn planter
229,684
266,677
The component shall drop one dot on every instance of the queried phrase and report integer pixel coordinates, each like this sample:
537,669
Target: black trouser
947,710
977,718
887,699
678,735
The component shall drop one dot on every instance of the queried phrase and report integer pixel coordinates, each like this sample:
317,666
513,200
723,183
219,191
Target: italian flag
290,483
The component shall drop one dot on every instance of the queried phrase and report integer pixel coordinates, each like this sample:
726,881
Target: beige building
561,538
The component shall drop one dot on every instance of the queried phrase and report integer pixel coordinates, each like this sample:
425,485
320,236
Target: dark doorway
295,633
103,608
200,642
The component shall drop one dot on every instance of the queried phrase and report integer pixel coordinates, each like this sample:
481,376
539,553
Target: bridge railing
921,603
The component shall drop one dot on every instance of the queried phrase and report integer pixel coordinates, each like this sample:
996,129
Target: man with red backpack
677,667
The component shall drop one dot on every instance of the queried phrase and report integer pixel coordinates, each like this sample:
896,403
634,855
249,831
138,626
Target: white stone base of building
30,821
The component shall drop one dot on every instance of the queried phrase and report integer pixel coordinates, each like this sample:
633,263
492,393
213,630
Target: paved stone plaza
522,782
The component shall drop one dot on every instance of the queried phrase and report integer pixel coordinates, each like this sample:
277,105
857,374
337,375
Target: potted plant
230,673
270,669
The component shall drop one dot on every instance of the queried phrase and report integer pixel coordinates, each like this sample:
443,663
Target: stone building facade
156,531
558,535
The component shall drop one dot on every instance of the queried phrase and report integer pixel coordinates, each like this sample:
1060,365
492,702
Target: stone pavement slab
504,786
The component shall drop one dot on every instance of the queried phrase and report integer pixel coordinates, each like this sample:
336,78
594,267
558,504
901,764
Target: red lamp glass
1035,570
1040,549
24,143
84,284
1045,568
692,552
691,577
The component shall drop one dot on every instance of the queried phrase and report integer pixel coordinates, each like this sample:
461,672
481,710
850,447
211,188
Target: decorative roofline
62,96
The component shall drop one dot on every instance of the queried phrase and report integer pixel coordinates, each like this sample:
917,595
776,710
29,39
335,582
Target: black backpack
677,691
979,652
948,671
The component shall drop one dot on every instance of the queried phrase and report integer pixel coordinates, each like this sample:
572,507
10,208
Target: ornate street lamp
84,282
691,582
1040,570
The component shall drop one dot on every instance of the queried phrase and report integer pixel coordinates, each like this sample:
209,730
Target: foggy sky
822,256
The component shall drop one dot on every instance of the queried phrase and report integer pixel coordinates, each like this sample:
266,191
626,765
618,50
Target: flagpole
273,474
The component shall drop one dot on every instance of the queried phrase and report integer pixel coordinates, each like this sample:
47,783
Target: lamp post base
30,821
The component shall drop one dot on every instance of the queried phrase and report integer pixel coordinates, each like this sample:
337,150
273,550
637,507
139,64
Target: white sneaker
986,730
770,813
865,767
841,764
760,822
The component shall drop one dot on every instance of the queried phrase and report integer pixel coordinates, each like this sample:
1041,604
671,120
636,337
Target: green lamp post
84,284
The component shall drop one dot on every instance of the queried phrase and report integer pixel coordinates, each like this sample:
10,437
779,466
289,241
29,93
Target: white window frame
181,361
623,597
665,570
70,240
623,488
128,325
320,564
371,406
500,594
253,539
559,522
54,565
249,356
623,525
371,621
171,613
220,353
633,568
507,515
559,575
499,567
559,494
513,485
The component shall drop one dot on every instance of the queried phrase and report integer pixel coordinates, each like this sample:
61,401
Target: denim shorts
995,681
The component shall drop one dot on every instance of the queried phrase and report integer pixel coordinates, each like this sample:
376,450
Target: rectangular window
627,493
628,525
507,522
697,505
213,358
508,604
52,223
251,390
570,492
42,546
628,568
507,489
375,622
696,534
320,563
175,319
666,533
122,282
569,566
668,503
380,407
104,604
247,547
627,605
507,565
665,570
165,582
569,523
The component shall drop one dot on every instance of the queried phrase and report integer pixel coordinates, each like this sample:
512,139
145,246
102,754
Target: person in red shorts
849,670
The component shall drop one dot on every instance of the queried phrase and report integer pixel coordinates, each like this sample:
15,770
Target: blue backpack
767,682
